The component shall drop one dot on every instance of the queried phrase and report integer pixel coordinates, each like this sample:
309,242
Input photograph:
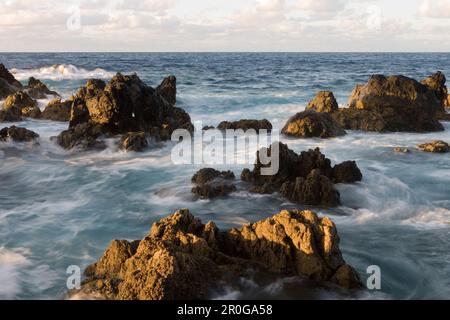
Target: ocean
60,208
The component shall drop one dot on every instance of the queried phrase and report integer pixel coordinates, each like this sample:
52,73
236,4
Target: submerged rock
437,146
58,110
298,174
309,124
168,89
133,141
401,150
8,84
390,104
324,102
182,258
38,90
17,134
211,183
246,124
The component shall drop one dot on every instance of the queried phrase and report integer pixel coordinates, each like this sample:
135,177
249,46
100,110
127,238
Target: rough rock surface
211,183
126,104
134,141
32,112
300,173
324,102
83,136
168,89
246,124
8,84
437,146
17,134
182,258
309,124
38,90
58,110
16,105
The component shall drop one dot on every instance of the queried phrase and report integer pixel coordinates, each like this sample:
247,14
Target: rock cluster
437,146
17,134
58,110
246,124
211,183
182,258
307,178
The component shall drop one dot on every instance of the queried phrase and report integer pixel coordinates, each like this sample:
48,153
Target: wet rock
8,84
206,128
83,136
309,124
19,100
58,110
182,258
211,183
10,115
391,104
324,102
134,141
347,172
436,83
168,89
436,146
447,102
17,134
32,112
401,150
246,124
38,90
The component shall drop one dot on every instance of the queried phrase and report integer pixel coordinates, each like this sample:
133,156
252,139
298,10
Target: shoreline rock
17,134
312,124
38,90
246,124
8,84
133,142
437,146
58,110
211,183
181,258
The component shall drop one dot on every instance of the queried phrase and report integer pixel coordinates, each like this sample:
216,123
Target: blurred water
60,208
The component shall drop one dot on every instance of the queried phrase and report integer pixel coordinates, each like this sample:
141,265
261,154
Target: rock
347,172
305,178
401,150
17,134
436,83
134,141
168,89
324,102
57,110
83,136
391,104
10,115
8,84
447,102
316,190
206,128
32,112
19,100
38,90
245,125
436,146
211,183
309,124
182,259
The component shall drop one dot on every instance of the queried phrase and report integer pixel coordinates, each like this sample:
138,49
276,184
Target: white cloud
435,8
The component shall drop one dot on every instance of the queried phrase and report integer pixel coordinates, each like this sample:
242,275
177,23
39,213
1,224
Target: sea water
60,208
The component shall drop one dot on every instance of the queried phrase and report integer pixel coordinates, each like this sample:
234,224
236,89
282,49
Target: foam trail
59,72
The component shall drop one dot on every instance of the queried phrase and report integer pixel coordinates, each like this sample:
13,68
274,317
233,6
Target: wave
59,72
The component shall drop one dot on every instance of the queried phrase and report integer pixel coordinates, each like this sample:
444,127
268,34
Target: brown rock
168,89
309,124
246,124
401,150
58,110
183,259
19,100
436,146
347,172
323,102
38,90
436,83
211,183
32,112
17,134
8,84
134,141
83,136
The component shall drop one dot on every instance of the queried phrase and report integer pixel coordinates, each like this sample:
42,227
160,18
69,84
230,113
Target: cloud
320,8
435,9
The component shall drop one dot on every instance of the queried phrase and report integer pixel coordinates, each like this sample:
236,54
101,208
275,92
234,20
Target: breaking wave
61,72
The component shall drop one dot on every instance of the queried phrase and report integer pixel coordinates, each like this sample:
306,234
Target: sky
224,25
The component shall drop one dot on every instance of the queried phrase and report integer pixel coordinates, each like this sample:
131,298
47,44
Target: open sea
61,208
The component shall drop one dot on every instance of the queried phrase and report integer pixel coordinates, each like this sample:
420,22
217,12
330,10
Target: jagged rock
168,89
17,134
183,259
324,102
211,183
8,84
436,83
436,146
390,104
246,124
316,189
38,90
134,141
10,115
32,112
83,136
309,124
14,106
347,172
57,110
298,174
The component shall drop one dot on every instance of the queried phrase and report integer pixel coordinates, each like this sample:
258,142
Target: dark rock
10,115
32,112
17,134
437,146
347,172
309,124
134,141
38,90
245,125
8,84
401,150
168,89
19,100
211,183
183,259
58,110
83,136
324,102
436,83
206,128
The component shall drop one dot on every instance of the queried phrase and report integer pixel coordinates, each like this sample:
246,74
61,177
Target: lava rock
347,172
83,136
309,124
211,183
17,134
57,110
168,89
246,124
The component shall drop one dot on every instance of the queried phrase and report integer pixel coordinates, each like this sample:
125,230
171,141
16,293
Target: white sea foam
61,72
10,263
